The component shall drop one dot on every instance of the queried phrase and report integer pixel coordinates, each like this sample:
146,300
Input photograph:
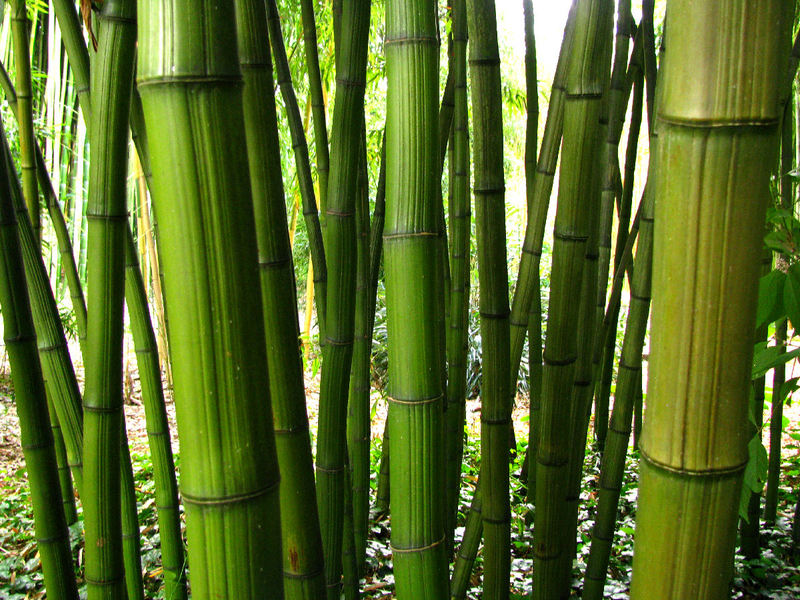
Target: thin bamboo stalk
489,190
27,139
317,99
460,220
340,235
411,239
303,573
29,393
304,178
715,126
779,374
613,462
585,85
158,434
358,402
190,83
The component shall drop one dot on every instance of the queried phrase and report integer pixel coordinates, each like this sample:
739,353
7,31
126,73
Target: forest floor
774,576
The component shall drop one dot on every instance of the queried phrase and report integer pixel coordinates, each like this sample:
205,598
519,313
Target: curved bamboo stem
35,435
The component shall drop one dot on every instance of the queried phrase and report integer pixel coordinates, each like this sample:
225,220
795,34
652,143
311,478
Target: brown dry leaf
86,12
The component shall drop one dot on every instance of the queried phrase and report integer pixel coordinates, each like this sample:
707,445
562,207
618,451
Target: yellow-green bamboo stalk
716,125
190,83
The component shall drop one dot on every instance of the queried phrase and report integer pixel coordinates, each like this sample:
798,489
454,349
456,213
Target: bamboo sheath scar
714,128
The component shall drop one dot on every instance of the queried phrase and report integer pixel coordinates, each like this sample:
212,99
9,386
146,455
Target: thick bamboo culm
229,473
411,239
715,126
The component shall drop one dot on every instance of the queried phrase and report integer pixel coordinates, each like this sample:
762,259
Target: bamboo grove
193,117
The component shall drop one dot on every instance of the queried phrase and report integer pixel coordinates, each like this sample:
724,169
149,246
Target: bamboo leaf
791,293
770,298
768,357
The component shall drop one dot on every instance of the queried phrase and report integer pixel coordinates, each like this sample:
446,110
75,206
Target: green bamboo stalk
622,80
158,435
779,374
304,178
411,240
750,528
27,139
465,559
59,375
132,551
29,393
76,293
317,99
190,83
460,226
775,432
489,192
62,462
531,152
358,402
349,567
526,307
383,491
303,575
346,151
715,127
630,373
585,85
111,82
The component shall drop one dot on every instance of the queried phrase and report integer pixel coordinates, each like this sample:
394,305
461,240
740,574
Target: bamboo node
231,498
303,576
719,472
415,402
397,550
411,39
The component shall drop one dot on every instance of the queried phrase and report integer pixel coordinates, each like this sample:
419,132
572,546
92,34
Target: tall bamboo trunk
489,192
715,127
410,247
340,236
585,84
112,78
303,575
460,225
190,83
